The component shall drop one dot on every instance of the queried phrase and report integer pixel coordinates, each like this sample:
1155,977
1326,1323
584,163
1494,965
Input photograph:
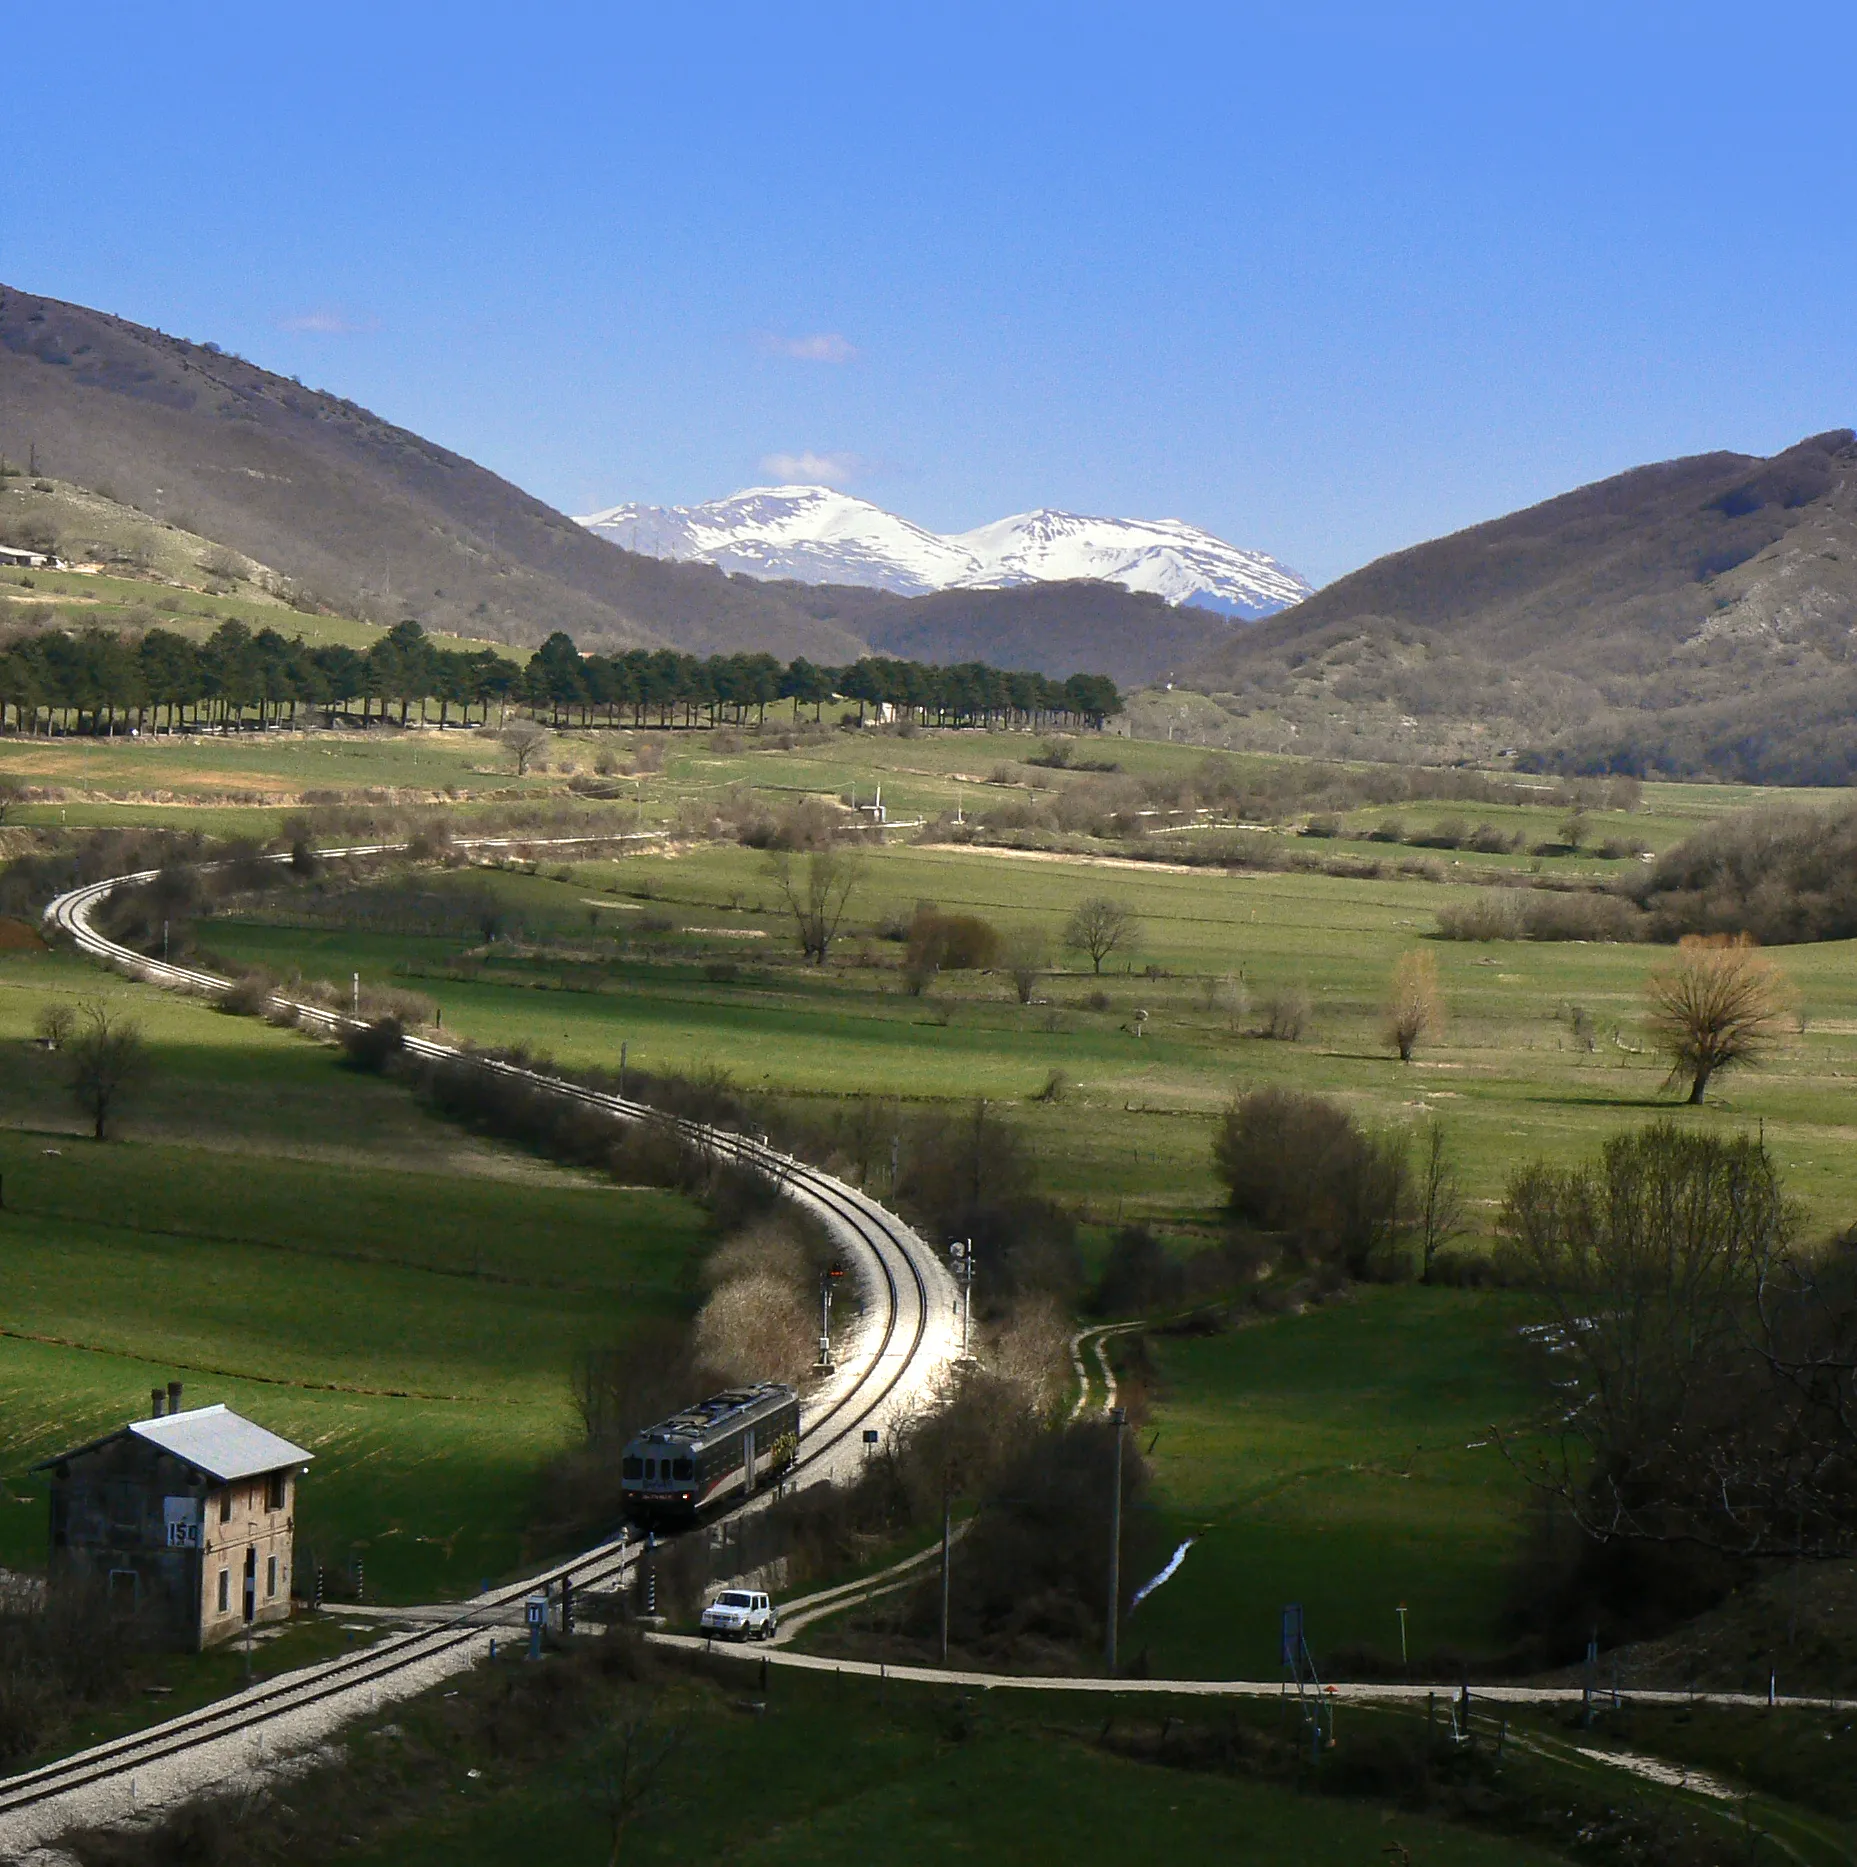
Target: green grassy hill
303,1244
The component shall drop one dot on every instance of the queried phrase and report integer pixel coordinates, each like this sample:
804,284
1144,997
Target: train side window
632,1468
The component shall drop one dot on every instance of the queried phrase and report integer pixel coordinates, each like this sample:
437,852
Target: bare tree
12,795
1721,1005
54,1026
1414,1004
1439,1200
629,1762
1100,927
1703,1376
817,887
524,740
106,1058
1027,958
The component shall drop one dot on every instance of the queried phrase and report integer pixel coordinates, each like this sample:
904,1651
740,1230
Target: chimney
155,1398
174,1396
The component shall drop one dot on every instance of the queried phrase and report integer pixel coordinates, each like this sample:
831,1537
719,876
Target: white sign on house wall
182,1517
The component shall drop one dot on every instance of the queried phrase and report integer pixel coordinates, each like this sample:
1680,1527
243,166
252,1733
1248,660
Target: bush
1493,914
1140,1275
1301,1166
1551,916
372,1047
1784,873
1287,1012
951,942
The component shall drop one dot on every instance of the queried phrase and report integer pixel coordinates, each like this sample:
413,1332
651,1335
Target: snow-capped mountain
816,535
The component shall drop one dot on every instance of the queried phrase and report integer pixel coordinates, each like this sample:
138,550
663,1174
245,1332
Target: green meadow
1342,1459
410,1300
304,1245
687,959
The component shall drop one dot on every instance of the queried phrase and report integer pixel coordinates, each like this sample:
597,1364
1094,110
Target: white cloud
810,469
328,323
812,347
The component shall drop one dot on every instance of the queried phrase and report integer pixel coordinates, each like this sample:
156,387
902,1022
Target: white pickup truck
738,1614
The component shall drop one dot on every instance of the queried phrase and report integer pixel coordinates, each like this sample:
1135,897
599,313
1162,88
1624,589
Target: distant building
16,559
184,1521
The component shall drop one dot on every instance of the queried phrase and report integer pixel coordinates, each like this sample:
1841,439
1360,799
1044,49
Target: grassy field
1343,1460
1131,1132
1328,1458
844,1773
405,1303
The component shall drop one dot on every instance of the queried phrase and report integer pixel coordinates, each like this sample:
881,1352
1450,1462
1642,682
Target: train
723,1447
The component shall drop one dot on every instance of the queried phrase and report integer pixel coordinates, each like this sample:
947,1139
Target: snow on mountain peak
818,535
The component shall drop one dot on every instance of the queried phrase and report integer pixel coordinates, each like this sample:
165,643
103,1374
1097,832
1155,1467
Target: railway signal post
826,1279
962,1254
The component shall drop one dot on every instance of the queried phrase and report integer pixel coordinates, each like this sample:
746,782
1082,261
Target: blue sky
1325,279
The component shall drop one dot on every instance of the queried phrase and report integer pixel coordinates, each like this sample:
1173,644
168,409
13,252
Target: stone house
184,1521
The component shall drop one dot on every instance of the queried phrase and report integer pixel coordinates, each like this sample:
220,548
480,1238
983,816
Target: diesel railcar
722,1447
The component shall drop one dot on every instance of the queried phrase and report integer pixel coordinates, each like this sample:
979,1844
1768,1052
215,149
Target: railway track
901,1346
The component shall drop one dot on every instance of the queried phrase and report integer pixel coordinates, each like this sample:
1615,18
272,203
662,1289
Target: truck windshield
733,1601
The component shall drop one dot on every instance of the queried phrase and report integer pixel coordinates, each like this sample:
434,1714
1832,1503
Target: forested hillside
1691,617
370,520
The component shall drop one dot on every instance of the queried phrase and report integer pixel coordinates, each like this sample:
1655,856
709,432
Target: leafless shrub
1490,914
54,1025
1287,1011
1026,957
1414,1003
756,1328
249,996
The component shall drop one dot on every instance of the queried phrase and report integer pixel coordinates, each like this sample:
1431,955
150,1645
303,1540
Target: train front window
651,1468
632,1468
683,1469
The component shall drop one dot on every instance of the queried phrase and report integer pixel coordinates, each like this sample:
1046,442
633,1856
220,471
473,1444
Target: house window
225,1505
225,1591
274,1491
270,1576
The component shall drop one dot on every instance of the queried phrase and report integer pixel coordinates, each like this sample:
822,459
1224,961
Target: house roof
215,1440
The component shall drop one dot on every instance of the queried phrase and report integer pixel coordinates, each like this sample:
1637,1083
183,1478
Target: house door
251,1581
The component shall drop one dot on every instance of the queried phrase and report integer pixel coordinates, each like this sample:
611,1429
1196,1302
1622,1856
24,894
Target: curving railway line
899,1347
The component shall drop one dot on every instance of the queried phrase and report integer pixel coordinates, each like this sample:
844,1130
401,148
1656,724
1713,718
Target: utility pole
947,1523
355,995
1118,1418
